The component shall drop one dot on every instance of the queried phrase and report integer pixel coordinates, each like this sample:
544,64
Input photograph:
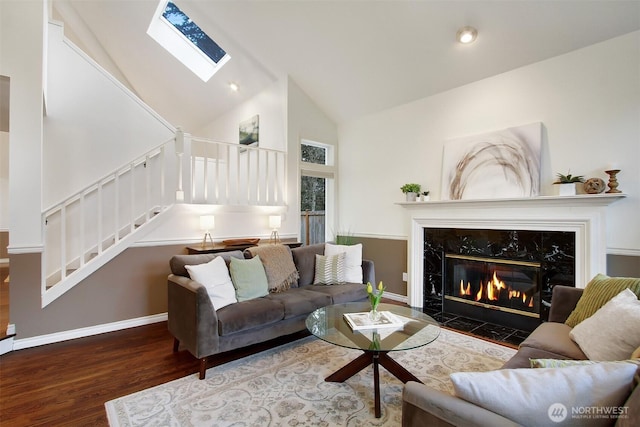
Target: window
186,41
316,191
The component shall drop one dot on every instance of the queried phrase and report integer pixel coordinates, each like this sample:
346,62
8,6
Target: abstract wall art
500,164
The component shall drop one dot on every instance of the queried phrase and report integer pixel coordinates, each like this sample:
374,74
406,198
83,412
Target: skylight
186,41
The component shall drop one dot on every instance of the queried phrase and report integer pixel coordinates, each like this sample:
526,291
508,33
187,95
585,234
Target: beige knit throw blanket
278,264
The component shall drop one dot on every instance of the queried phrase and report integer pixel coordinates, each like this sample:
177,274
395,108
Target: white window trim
178,45
330,172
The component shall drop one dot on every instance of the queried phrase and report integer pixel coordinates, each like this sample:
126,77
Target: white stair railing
232,174
91,227
101,219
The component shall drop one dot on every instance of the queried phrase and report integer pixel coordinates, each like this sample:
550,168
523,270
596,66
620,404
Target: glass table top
328,324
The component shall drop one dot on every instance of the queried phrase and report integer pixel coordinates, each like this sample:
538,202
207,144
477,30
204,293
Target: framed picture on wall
249,131
499,164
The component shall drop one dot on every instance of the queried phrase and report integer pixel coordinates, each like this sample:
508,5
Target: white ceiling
352,57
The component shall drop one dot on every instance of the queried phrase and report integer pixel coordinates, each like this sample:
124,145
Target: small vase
374,314
411,197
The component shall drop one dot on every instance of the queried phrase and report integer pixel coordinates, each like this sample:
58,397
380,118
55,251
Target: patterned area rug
285,386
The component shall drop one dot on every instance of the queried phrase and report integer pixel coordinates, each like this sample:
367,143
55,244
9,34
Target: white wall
22,63
4,181
93,124
589,104
287,115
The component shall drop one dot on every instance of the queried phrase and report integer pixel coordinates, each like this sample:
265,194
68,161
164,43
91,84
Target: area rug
285,386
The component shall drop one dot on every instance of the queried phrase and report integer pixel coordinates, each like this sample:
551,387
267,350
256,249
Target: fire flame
492,291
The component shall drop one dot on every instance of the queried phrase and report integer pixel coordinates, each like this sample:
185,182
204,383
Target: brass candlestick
613,181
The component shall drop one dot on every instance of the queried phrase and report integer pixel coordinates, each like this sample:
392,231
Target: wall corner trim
20,344
25,249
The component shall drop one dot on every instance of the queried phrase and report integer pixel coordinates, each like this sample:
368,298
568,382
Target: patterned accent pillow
330,270
597,293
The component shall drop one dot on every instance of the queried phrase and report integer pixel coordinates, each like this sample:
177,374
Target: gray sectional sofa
205,331
424,406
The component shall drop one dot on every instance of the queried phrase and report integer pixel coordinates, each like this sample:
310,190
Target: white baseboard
397,297
20,344
6,345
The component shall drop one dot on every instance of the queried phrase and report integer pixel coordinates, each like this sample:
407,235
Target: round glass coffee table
416,330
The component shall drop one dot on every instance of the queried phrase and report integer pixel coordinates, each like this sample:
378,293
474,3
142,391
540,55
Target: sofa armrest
563,301
425,406
192,318
368,271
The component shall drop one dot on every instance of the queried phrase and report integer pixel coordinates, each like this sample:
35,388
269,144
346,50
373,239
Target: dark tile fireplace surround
552,252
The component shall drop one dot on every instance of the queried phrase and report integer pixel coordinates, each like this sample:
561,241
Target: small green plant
568,178
410,188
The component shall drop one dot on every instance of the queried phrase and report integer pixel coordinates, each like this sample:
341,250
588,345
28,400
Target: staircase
92,226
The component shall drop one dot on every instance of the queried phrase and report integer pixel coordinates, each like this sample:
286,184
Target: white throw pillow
546,396
353,261
612,332
214,276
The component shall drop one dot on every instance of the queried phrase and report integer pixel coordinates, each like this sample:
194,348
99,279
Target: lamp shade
207,222
275,221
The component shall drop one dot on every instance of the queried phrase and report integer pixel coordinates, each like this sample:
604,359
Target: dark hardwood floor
67,383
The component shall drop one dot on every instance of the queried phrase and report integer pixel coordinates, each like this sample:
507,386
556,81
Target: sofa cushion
632,418
249,278
527,395
598,292
178,262
330,270
554,338
612,332
340,294
248,314
214,276
353,260
304,258
297,301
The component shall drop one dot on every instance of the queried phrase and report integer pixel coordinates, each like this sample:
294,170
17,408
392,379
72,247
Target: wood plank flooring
67,383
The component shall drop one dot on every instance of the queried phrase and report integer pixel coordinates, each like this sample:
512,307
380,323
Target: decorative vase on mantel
411,196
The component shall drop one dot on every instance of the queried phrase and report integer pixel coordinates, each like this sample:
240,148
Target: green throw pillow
597,293
249,278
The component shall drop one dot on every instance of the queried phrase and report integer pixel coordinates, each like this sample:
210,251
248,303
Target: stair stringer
91,266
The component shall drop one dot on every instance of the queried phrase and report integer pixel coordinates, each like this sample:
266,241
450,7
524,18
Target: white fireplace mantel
585,215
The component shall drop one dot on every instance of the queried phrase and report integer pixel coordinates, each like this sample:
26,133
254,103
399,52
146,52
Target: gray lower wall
132,285
390,260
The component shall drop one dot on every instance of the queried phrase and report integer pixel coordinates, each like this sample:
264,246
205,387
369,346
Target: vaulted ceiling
352,58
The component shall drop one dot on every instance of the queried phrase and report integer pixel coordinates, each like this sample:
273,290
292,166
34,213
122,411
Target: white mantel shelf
541,201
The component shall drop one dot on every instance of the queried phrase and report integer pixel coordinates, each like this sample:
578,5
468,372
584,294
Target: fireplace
565,235
504,277
501,291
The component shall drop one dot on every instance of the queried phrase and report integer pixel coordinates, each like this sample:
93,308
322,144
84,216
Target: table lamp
275,222
207,222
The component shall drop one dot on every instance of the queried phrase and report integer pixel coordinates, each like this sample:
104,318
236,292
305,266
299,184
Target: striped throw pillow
597,293
330,270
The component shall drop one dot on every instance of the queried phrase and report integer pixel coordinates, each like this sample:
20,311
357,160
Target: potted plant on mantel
411,191
566,184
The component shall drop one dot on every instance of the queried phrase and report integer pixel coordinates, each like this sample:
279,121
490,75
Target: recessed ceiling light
467,35
234,86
